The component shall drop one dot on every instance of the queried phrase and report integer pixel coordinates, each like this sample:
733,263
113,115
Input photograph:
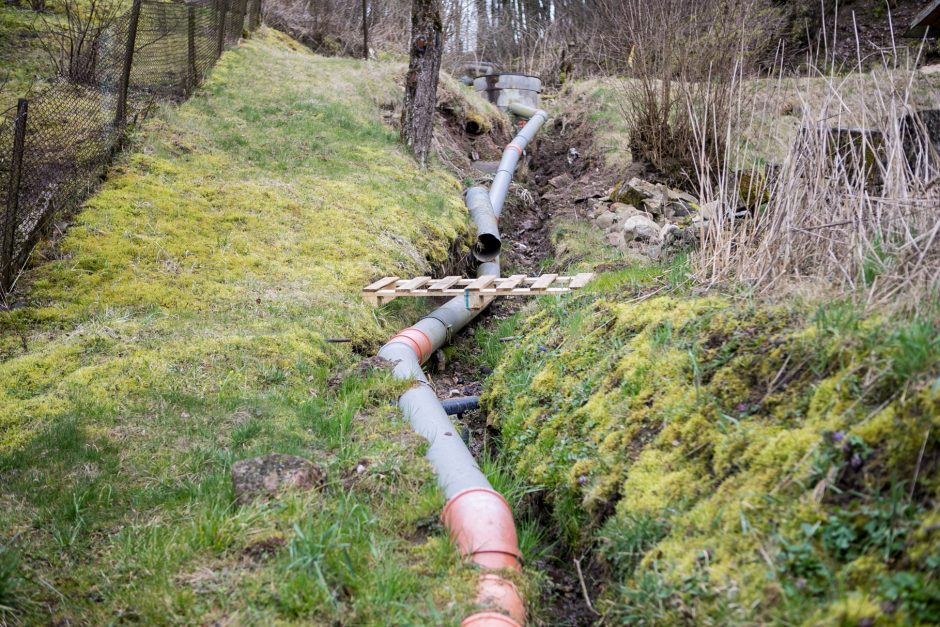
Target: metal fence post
220,43
13,197
119,116
191,47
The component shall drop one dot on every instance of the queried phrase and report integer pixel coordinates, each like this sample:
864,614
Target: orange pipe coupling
499,593
417,340
489,619
480,522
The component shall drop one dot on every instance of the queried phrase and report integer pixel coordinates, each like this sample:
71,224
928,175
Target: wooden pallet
478,292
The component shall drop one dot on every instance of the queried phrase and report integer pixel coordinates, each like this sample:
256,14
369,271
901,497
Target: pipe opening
473,127
488,247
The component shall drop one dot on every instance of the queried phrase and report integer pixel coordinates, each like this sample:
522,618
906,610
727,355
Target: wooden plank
511,283
580,280
483,281
478,292
384,282
544,281
412,284
443,284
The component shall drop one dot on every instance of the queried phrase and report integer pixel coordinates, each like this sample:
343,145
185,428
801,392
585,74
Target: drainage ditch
458,372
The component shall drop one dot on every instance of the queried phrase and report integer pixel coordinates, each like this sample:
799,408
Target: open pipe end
487,247
475,124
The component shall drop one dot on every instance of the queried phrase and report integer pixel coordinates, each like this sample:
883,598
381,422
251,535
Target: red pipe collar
480,522
496,592
417,340
489,619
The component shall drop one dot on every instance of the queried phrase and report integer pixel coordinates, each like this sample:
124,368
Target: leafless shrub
852,203
334,27
681,55
72,40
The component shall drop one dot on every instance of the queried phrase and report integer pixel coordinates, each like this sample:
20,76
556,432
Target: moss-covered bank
730,462
181,325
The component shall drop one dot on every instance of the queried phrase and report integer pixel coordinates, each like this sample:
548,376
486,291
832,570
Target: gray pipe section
455,467
481,212
513,152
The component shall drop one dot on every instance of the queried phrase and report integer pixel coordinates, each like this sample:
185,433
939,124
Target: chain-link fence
55,145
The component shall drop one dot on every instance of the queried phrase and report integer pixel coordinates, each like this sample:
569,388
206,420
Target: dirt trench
553,183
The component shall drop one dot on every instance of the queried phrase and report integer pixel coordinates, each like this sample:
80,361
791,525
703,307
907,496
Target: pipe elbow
480,523
489,242
527,112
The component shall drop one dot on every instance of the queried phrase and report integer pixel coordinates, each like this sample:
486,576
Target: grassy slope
22,59
183,327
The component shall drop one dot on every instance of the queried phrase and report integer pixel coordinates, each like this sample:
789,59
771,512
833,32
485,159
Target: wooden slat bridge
478,292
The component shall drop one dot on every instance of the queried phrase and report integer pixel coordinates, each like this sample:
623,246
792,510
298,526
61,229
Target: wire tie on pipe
448,329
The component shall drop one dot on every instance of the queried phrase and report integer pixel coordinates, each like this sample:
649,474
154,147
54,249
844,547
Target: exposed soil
559,175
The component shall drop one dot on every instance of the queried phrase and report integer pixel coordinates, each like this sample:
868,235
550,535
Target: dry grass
851,201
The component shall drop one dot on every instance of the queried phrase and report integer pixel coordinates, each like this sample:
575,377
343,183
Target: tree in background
417,116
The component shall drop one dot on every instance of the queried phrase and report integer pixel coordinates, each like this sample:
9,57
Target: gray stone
605,220
640,228
681,208
615,239
562,180
668,233
269,475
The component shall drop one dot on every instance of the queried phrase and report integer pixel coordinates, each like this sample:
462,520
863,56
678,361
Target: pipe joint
448,328
489,619
480,522
417,340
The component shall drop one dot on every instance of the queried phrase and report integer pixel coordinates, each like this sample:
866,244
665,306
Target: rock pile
648,218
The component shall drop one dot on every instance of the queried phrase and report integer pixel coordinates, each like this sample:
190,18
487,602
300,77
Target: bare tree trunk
417,117
365,29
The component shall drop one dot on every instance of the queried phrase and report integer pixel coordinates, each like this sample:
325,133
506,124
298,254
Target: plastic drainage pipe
481,212
479,518
460,404
513,152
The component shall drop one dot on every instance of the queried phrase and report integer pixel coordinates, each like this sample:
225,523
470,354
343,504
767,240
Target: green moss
759,439
181,326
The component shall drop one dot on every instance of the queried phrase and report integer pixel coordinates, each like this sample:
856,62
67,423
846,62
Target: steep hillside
184,323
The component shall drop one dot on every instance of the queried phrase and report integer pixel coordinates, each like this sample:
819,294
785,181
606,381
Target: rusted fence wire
55,145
